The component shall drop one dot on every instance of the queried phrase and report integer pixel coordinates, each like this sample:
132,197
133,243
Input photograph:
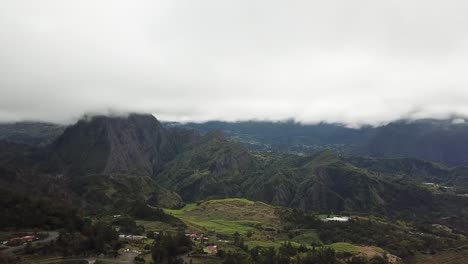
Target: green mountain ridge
440,141
320,183
415,170
110,162
137,144
31,133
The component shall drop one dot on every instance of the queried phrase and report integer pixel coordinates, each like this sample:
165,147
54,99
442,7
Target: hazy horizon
360,62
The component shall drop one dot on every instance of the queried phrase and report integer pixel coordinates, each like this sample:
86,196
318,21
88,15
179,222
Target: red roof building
212,249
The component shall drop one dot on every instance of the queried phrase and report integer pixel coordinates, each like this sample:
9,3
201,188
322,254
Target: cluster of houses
16,241
132,237
436,185
211,249
127,250
196,237
336,219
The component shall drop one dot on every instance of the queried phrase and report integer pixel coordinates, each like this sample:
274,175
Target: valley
184,195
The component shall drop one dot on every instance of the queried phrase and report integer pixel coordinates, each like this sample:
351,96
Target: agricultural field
154,225
227,216
307,237
259,224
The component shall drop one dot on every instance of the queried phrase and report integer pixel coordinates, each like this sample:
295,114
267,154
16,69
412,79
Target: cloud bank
354,62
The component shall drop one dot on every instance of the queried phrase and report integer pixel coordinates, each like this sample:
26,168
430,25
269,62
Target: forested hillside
440,141
134,166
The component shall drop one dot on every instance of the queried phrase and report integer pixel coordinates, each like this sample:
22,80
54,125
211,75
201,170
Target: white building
337,219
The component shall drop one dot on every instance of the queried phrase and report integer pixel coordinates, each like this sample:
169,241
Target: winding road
125,258
53,235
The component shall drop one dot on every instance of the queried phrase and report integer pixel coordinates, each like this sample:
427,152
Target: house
16,241
194,237
211,249
30,238
132,237
336,219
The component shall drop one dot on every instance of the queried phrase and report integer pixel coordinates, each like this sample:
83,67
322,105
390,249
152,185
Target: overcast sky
356,62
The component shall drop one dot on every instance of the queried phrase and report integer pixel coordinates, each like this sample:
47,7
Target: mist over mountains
440,141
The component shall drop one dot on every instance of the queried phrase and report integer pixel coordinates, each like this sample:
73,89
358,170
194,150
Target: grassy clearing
378,250
220,226
274,244
323,216
265,244
227,216
231,200
342,247
307,238
154,225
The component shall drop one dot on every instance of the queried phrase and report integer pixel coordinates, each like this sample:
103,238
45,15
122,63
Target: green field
275,244
252,244
308,237
345,248
227,216
231,200
154,225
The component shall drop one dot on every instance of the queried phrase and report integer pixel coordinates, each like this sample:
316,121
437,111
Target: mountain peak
133,144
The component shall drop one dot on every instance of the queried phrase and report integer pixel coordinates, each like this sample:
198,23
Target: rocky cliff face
136,144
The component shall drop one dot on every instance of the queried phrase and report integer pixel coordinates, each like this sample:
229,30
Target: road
125,258
53,235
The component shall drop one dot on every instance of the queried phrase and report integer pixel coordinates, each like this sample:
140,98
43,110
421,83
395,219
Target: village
21,240
137,239
136,249
139,244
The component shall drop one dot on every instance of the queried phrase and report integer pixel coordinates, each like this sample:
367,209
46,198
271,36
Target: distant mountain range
441,141
31,133
107,163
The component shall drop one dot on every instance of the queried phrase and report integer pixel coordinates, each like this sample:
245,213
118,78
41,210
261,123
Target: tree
168,247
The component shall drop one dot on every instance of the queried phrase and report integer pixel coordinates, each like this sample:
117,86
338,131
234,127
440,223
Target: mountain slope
102,162
440,141
212,167
217,168
137,144
415,170
113,161
31,133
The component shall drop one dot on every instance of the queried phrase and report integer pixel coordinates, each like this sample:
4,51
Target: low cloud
353,62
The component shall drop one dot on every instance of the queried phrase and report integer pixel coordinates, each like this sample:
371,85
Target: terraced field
228,216
257,222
